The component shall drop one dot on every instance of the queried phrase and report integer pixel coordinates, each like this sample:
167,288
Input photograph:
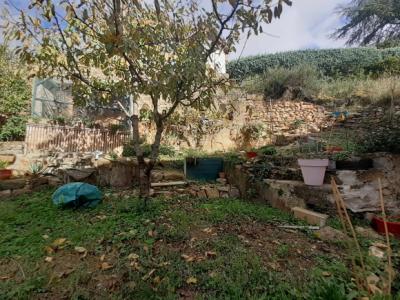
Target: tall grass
308,82
365,90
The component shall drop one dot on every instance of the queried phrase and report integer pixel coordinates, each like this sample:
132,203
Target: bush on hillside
388,66
274,82
330,62
385,139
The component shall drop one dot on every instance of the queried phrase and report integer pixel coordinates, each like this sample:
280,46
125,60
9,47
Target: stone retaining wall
360,189
19,186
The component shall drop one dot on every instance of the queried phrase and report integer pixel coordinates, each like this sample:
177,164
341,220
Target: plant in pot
313,164
4,173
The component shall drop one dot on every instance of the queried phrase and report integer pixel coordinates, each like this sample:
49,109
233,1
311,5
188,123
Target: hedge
330,62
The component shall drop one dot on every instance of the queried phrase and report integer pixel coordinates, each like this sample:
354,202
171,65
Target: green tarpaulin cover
77,194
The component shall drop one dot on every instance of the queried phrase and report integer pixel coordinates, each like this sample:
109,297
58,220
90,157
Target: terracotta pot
393,227
313,170
251,154
5,174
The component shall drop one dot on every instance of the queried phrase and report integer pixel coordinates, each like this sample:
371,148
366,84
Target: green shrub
330,62
387,66
15,95
274,82
167,150
14,128
267,150
384,139
129,150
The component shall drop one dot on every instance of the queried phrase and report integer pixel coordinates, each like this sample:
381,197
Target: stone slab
171,183
12,184
311,217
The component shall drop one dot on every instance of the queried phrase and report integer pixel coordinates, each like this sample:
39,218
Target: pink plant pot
313,170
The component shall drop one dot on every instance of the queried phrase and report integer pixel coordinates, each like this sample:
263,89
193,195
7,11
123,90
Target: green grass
26,219
235,209
159,235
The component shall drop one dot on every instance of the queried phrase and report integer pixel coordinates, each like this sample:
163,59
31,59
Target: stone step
311,217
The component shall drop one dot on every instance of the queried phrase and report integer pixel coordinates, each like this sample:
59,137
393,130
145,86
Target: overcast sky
307,24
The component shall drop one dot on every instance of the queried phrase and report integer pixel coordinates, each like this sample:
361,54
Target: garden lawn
175,248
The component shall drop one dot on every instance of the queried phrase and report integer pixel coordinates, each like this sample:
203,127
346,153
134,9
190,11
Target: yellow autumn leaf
133,256
80,249
105,266
58,242
187,258
191,280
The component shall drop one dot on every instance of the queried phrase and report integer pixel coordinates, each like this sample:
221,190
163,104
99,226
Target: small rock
224,189
221,180
368,233
330,234
234,192
212,192
202,194
375,251
372,279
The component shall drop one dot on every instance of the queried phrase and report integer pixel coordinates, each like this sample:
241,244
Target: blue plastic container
204,169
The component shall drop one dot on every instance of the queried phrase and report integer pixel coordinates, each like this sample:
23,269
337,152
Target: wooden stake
389,249
348,227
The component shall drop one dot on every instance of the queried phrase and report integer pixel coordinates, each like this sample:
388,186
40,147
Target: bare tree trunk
144,175
144,180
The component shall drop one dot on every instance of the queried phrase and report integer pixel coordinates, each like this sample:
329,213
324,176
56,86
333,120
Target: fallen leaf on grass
157,280
49,250
187,258
64,273
213,274
326,274
135,265
48,259
148,275
80,249
106,266
58,242
102,257
210,254
133,256
207,230
152,233
45,236
163,264
5,277
191,280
